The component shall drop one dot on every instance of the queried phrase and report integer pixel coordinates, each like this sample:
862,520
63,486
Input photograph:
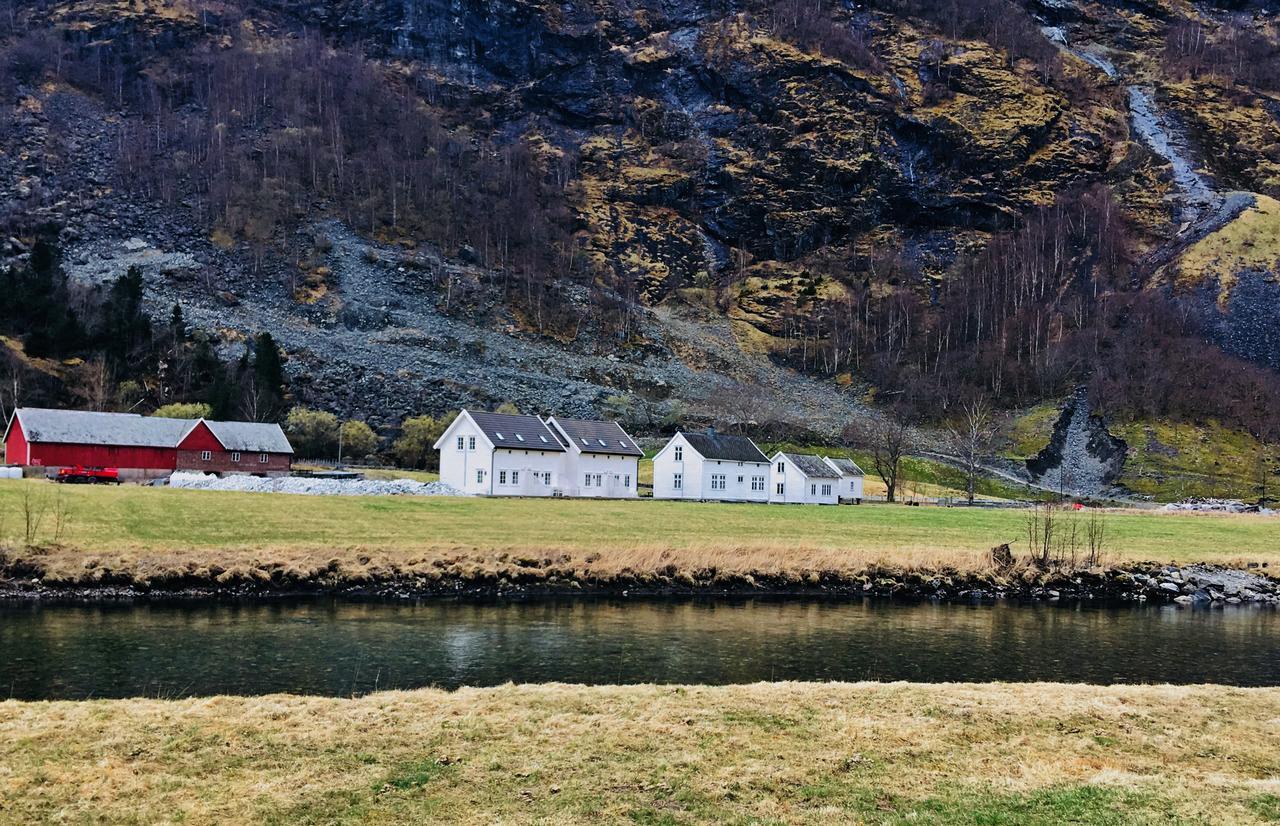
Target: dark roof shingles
599,437
516,432
812,466
725,448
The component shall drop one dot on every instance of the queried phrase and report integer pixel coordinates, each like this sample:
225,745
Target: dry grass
780,753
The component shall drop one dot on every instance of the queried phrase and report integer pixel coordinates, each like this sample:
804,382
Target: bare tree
890,440
92,385
10,389
971,436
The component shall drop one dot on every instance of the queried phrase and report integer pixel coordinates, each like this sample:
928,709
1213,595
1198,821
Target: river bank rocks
1194,585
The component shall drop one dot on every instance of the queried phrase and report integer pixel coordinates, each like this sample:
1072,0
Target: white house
851,476
499,454
702,466
600,459
803,479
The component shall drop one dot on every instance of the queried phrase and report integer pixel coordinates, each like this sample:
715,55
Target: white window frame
461,443
479,476
263,458
515,477
206,455
471,443
679,453
782,488
502,477
586,480
235,456
626,481
718,481
677,481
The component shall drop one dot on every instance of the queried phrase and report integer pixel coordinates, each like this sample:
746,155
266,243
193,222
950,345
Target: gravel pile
312,487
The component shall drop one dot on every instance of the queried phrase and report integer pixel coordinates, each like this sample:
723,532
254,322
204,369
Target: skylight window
602,442
543,438
585,442
500,436
519,438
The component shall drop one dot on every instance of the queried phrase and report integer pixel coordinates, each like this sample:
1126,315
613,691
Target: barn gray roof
811,466
251,437
597,437
725,448
516,432
847,467
80,427
83,427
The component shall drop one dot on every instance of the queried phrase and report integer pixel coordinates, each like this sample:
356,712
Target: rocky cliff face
724,166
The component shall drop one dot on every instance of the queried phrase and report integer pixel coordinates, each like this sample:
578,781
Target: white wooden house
711,466
600,459
803,479
499,454
851,478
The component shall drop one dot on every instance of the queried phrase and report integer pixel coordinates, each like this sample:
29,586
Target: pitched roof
251,437
84,427
812,466
725,448
597,437
81,427
515,431
846,467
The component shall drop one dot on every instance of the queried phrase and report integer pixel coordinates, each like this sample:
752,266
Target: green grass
144,519
1175,461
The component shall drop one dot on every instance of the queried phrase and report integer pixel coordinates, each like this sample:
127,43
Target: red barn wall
151,458
201,438
15,447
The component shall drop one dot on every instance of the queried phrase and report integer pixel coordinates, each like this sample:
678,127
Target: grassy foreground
771,753
151,533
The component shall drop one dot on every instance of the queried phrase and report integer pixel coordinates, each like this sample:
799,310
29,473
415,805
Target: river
341,648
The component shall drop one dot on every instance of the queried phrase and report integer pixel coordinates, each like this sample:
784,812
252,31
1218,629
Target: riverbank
107,543
776,752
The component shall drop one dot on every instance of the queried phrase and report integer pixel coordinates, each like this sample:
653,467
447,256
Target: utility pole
339,445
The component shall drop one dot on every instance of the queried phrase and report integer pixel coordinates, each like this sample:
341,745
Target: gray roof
725,448
83,427
516,432
597,437
847,467
811,466
251,437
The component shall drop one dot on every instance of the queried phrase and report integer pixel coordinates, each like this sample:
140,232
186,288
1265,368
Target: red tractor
81,475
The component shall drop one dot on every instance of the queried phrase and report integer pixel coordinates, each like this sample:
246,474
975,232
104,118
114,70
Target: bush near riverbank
769,752
136,538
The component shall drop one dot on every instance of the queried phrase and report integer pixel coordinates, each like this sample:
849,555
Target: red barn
144,446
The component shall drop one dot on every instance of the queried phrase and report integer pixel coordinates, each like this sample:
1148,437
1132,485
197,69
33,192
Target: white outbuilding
851,477
711,466
803,479
600,459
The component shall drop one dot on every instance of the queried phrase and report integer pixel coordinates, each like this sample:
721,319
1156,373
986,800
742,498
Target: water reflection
342,648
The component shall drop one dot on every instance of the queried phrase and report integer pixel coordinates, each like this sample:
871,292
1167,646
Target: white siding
700,477
612,477
459,467
666,468
523,472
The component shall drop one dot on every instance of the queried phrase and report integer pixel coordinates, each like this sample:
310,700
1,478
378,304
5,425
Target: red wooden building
144,446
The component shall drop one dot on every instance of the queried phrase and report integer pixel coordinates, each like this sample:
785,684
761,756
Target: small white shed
851,477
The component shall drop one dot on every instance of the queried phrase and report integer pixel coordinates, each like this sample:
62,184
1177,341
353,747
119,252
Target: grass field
764,753
153,530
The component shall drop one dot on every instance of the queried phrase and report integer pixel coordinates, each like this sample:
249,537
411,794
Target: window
741,479
679,453
501,438
757,483
206,456
602,442
263,458
626,481
781,488
826,490
853,486
782,467
543,438
599,480
235,456
515,477
546,477
587,482
813,490
502,477
717,481
677,480
519,438
460,443
479,477
471,443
